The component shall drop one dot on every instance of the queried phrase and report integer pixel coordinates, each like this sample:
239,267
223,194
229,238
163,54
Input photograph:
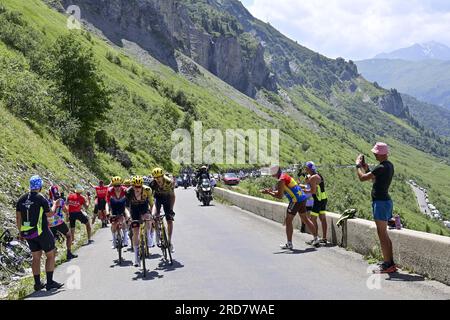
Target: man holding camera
382,205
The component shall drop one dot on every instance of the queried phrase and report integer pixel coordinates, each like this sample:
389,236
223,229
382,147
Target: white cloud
357,29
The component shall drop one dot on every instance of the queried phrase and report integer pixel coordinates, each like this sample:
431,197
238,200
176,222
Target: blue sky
356,29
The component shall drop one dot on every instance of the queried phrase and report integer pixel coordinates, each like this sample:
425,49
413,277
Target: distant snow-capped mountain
418,52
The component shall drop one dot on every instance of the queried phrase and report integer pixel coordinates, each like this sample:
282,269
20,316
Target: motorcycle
185,180
205,192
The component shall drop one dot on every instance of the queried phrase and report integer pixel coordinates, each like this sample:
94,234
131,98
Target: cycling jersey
139,207
101,192
58,217
321,194
33,207
117,204
291,189
75,202
166,188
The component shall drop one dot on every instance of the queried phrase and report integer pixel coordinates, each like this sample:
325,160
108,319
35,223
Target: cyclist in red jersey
116,201
75,202
100,203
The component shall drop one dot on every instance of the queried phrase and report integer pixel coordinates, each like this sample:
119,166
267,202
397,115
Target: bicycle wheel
166,246
142,252
119,246
166,240
163,240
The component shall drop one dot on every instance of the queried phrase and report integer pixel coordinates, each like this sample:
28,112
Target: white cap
274,169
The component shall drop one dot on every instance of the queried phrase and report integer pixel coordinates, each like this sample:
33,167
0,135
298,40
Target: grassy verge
24,287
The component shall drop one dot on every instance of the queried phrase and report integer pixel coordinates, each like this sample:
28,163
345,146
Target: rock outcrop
163,26
392,103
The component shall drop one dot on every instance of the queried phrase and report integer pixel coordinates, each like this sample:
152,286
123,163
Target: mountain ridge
417,52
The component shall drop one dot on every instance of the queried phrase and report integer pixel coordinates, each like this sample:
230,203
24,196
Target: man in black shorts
56,222
32,210
75,202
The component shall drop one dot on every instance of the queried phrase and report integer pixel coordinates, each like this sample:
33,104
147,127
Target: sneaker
90,241
172,250
385,268
113,246
70,255
137,264
287,246
39,286
323,241
53,285
314,242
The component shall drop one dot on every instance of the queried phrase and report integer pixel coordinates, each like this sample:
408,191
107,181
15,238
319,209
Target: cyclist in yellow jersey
163,191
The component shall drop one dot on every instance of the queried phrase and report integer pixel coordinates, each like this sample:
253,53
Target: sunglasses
137,187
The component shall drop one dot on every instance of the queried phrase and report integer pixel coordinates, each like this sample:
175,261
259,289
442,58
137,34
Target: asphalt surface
225,253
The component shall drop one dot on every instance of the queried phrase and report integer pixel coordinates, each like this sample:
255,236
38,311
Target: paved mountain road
226,253
421,200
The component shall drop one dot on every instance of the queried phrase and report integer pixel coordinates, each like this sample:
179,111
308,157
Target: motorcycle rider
202,173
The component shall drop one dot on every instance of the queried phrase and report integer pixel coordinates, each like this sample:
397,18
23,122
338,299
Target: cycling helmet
127,182
36,183
157,172
116,181
137,181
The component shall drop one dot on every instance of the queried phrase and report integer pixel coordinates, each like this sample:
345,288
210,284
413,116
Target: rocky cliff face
392,103
163,26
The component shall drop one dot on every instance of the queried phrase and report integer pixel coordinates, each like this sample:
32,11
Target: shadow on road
296,251
155,256
163,265
150,275
42,293
404,277
125,263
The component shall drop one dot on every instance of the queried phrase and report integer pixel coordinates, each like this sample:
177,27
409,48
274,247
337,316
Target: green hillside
149,100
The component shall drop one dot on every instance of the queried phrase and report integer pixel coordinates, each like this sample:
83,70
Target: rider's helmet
157,172
116,181
137,181
127,182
